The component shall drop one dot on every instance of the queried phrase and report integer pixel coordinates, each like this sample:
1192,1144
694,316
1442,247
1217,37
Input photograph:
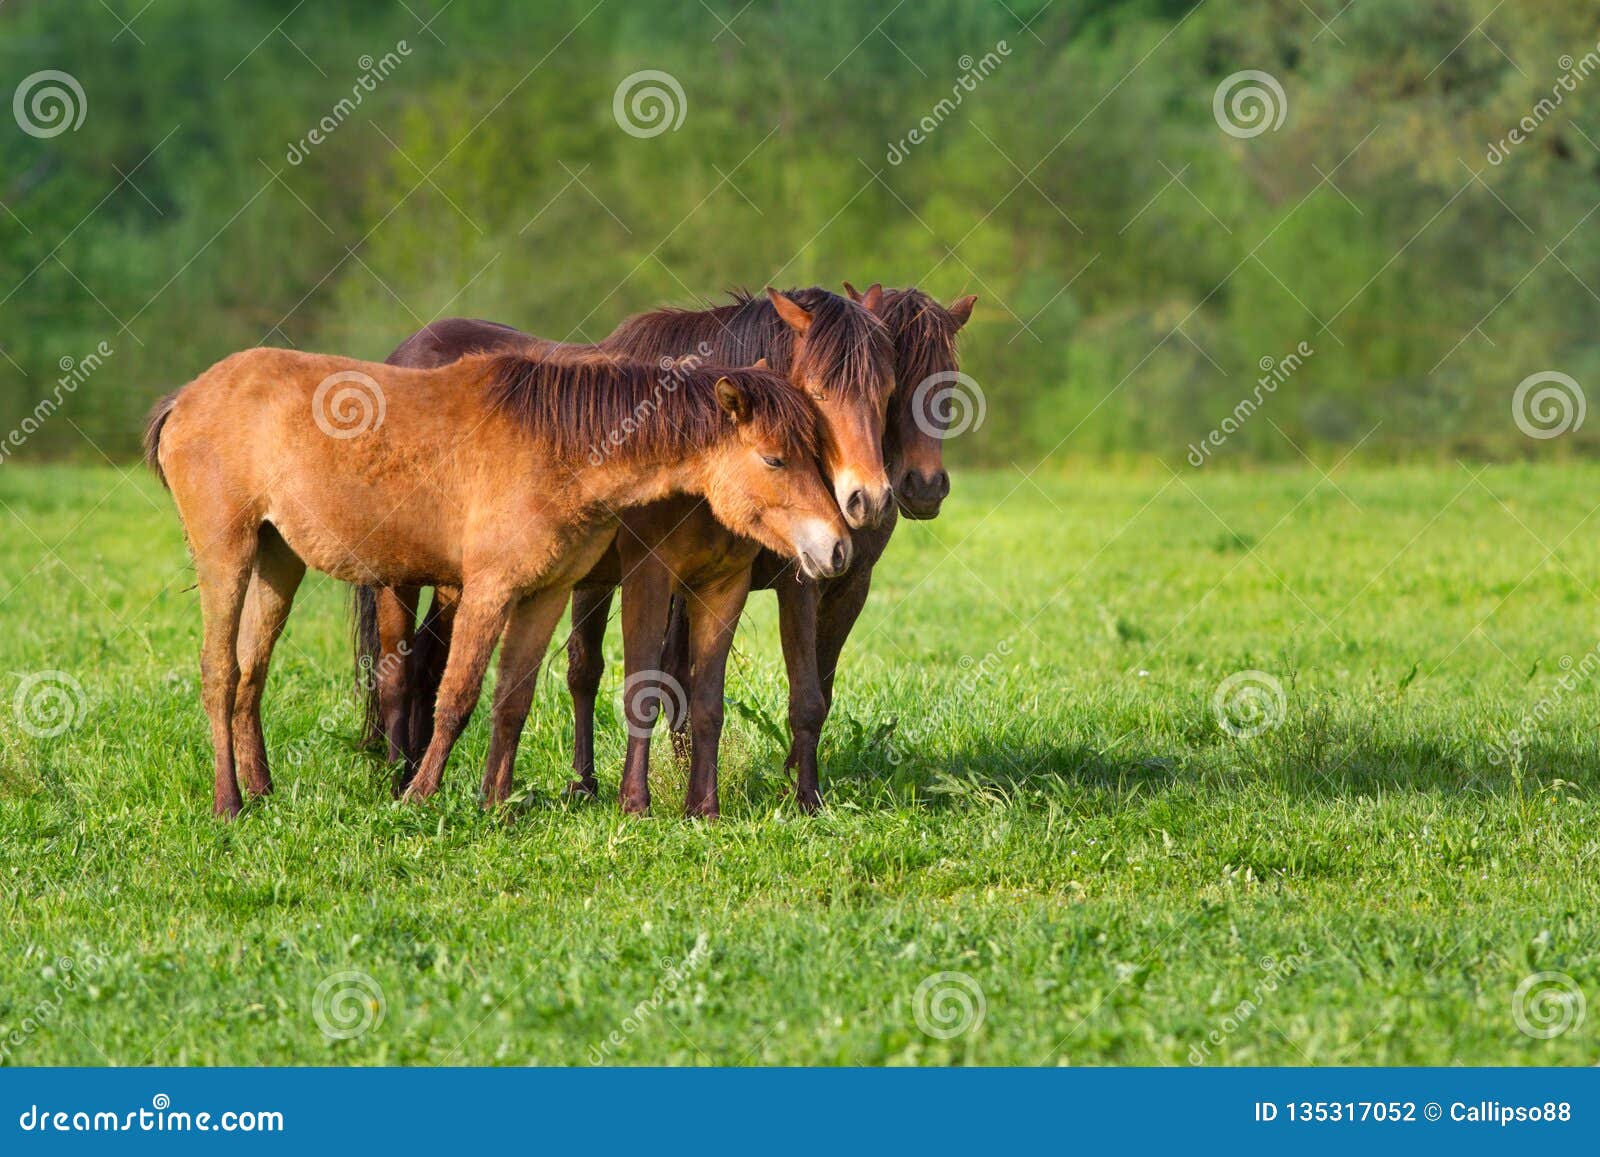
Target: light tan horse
279,460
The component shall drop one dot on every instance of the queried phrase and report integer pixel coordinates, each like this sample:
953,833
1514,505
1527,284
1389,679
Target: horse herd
688,457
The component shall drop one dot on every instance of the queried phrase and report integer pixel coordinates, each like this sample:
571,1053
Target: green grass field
1028,780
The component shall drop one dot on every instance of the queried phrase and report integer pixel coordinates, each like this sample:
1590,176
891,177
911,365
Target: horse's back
449,339
327,449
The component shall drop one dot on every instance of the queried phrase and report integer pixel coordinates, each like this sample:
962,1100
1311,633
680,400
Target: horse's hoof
579,789
635,807
227,809
809,802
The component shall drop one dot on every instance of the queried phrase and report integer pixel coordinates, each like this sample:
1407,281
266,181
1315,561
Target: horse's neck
622,483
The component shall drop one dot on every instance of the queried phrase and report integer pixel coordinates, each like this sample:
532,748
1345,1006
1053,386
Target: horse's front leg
675,662
528,632
479,620
646,593
424,670
797,627
837,611
713,618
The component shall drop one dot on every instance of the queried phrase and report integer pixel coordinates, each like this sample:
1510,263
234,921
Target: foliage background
1133,262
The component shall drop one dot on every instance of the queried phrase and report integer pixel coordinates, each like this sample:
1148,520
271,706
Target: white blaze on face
876,495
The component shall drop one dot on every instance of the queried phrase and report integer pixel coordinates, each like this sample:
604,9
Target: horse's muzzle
824,558
920,495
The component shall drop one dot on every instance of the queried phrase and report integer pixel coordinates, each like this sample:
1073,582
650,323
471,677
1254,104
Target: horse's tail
364,641
152,434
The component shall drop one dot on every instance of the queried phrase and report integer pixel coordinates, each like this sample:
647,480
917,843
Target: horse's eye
775,463
819,395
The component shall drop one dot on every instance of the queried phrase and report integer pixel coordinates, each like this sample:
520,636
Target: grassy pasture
1028,781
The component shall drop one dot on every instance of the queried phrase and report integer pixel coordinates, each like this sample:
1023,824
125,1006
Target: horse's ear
732,400
759,364
855,294
961,308
794,315
872,299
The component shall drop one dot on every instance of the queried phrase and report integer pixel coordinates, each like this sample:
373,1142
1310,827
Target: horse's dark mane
584,403
924,337
847,346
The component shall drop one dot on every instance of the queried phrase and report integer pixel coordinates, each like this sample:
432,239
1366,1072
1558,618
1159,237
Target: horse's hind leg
478,623
711,625
276,577
223,567
397,617
528,633
586,663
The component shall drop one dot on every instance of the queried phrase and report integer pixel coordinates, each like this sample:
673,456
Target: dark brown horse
834,350
667,546
279,460
815,617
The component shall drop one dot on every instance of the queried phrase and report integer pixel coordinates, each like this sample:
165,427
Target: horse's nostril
841,556
856,504
923,487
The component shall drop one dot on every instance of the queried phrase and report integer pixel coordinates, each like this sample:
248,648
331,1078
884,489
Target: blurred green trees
1135,263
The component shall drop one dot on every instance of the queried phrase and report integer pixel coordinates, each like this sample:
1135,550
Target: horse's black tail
152,434
364,640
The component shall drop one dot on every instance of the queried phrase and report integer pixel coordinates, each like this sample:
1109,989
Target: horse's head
764,482
843,361
919,414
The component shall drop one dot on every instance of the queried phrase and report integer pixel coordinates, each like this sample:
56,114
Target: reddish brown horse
510,504
674,545
832,349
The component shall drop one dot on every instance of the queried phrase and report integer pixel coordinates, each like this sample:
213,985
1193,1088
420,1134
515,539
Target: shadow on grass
1317,753
1317,758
